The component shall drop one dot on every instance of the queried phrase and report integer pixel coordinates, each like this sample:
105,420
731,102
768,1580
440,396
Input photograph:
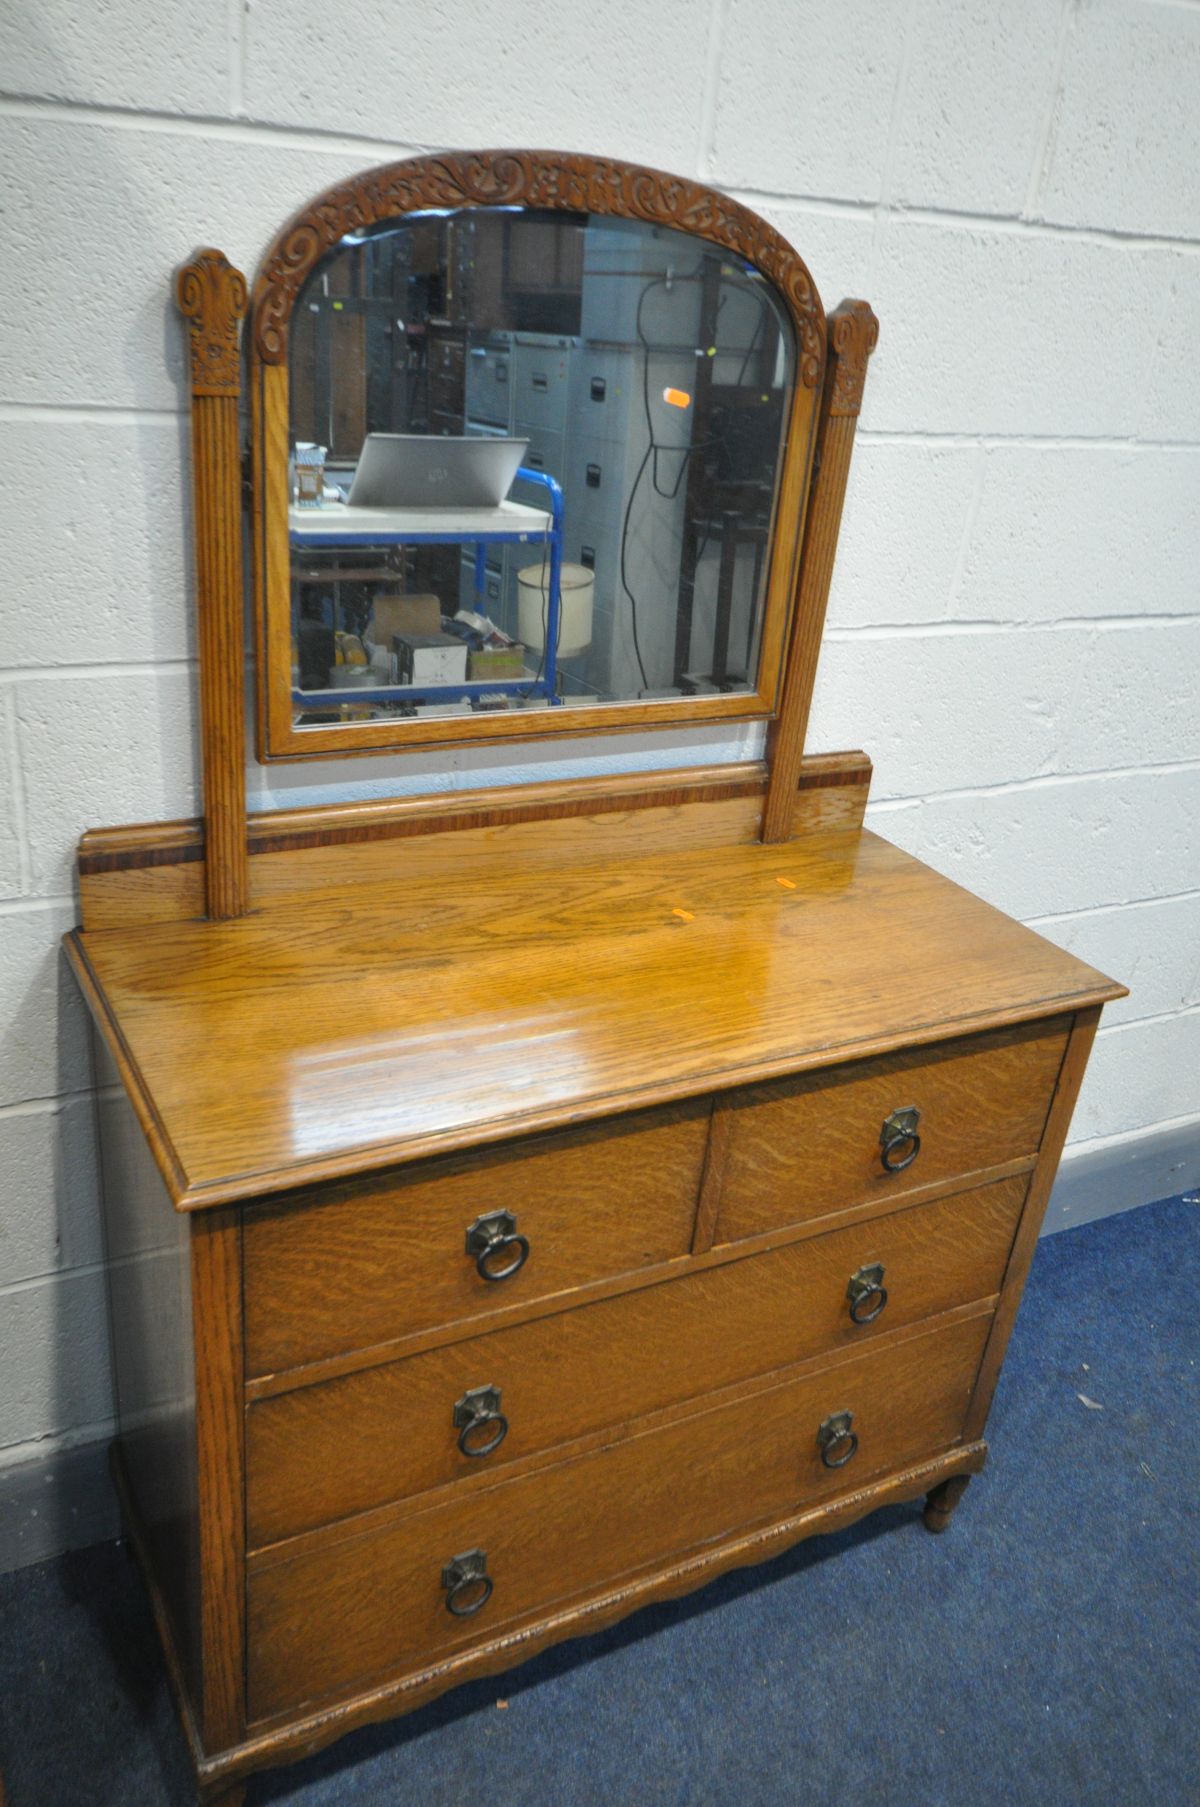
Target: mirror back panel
532,440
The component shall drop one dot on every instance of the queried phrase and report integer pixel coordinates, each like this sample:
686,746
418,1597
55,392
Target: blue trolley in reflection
336,528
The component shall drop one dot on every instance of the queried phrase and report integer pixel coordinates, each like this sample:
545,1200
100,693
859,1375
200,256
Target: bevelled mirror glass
534,463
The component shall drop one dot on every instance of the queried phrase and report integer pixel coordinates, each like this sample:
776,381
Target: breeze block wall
1014,634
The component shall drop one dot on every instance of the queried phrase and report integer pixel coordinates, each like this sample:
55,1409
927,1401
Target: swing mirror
532,441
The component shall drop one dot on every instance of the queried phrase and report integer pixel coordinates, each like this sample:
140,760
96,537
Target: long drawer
321,1453
334,1618
800,1147
349,1266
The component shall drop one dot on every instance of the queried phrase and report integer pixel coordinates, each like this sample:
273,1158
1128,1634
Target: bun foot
941,1500
233,1794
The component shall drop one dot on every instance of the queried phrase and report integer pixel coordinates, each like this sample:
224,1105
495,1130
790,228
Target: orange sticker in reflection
677,398
789,884
684,915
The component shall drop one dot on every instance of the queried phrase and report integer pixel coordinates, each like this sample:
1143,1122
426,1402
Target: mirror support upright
211,294
853,333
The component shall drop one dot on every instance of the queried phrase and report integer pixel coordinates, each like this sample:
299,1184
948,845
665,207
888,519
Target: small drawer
386,1602
321,1453
489,383
540,376
545,454
346,1266
603,381
875,1129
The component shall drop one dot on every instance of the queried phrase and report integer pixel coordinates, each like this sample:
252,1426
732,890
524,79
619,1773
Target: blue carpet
1045,1649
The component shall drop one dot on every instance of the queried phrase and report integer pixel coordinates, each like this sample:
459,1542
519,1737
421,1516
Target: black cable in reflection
653,446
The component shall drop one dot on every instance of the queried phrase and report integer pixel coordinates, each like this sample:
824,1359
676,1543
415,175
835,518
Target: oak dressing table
527,1203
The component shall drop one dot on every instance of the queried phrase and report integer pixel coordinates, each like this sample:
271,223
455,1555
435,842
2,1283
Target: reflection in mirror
534,464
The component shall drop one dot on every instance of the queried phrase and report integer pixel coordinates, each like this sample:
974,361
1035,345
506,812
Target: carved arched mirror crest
532,443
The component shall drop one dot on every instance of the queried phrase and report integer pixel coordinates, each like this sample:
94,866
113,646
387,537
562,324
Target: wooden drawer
801,1147
345,1267
340,1616
320,1453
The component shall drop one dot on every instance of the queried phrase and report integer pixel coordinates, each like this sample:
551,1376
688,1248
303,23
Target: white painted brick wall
1006,330
1154,945
1139,65
1015,622
1080,531
110,555
50,1201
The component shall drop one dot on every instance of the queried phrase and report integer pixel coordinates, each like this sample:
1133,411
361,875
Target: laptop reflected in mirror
416,470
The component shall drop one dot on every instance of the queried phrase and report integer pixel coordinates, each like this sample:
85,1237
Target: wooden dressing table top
340,1029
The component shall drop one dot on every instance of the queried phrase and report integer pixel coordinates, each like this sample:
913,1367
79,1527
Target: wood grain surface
802,1147
148,1246
340,1033
1066,1092
521,1311
155,872
346,1267
658,1018
222,1794
321,1453
853,331
301,1734
220,1472
212,296
323,1624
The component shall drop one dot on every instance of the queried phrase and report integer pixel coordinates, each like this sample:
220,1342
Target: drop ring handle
478,1408
899,1133
867,1294
467,1583
499,1249
837,1442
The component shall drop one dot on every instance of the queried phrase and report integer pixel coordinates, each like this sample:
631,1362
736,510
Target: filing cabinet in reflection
589,412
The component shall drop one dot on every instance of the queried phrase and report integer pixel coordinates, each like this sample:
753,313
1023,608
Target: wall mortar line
895,114
19,805
936,628
209,125
967,536
1044,155
1123,1137
55,1442
236,33
718,19
1140,1022
1130,903
1042,781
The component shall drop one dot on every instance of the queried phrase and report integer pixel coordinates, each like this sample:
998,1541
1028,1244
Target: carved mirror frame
545,180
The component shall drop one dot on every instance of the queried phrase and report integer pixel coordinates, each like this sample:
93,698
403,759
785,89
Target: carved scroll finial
853,335
212,294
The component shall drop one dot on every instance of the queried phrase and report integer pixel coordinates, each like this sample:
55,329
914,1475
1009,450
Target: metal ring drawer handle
867,1294
478,1408
467,1583
900,1131
836,1441
494,1238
